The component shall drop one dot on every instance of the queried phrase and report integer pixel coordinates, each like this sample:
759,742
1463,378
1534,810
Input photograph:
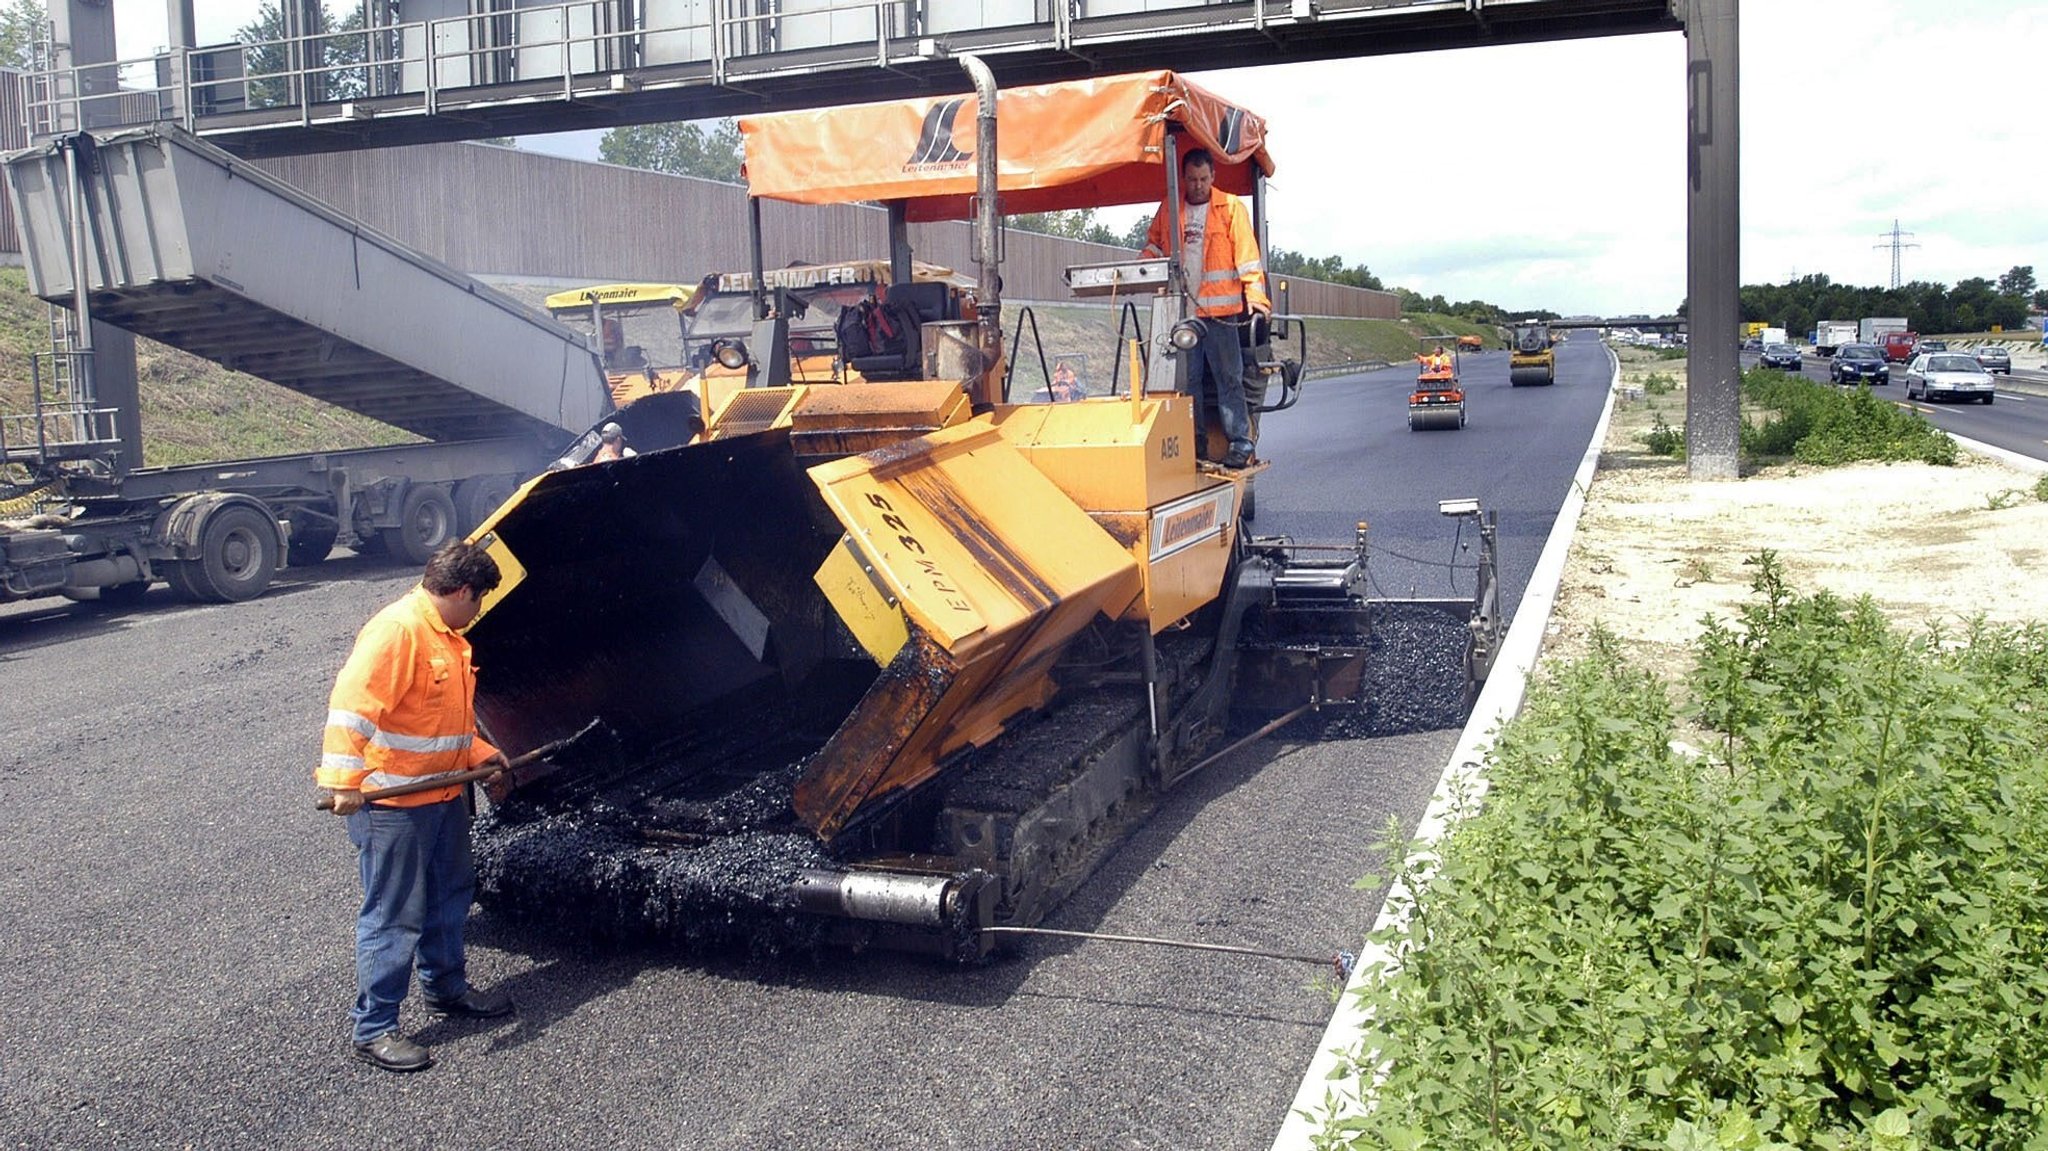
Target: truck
181,243
1873,329
899,662
1831,334
1774,336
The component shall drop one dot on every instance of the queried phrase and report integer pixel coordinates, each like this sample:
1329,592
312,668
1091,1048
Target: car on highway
1948,376
1859,363
1933,346
1784,357
1994,358
1753,344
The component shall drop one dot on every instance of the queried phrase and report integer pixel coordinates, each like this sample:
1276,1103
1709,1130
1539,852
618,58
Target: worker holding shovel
399,749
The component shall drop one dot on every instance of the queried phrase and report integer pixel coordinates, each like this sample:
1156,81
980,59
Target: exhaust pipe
988,240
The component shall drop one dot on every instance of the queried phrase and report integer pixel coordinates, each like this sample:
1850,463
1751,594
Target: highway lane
178,918
1345,453
2017,421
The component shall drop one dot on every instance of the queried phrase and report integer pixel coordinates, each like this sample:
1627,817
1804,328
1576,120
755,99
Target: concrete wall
507,212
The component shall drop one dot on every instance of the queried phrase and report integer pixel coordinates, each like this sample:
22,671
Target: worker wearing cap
611,445
1220,256
403,711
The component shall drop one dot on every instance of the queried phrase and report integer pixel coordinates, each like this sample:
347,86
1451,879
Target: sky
1855,114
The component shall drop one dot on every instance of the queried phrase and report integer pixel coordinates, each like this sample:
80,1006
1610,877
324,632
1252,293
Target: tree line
1971,305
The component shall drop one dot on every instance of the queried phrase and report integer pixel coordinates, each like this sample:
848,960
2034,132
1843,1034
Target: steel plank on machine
194,248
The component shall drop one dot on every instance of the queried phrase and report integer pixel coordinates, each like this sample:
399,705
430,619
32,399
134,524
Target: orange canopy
1081,144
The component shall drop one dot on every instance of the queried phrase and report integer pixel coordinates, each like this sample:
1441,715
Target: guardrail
1345,368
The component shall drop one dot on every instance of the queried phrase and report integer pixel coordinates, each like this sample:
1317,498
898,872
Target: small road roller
1438,401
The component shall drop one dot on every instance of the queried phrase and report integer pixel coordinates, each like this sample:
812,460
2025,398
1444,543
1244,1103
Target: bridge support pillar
1713,415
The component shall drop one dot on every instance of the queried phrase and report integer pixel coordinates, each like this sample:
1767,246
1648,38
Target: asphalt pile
1414,677
687,873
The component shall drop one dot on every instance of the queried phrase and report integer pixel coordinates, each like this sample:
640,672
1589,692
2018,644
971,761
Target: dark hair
461,565
1198,156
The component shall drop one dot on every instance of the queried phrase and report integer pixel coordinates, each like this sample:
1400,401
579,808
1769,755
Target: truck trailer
1829,335
1873,329
156,232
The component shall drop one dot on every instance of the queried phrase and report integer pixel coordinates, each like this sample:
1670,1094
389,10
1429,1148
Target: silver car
1994,358
1948,376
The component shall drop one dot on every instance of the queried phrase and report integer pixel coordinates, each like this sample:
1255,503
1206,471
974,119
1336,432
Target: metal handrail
48,95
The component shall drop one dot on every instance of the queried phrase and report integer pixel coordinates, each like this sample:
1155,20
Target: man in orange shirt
1220,257
403,710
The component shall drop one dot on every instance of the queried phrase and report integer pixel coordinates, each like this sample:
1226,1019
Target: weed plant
1660,383
1664,440
2041,489
1825,930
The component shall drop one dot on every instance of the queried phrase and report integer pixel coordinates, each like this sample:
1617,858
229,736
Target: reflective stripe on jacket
1233,277
403,708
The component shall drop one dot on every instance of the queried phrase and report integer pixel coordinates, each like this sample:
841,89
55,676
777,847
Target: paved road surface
177,956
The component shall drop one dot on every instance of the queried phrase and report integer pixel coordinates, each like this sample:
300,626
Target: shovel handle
326,802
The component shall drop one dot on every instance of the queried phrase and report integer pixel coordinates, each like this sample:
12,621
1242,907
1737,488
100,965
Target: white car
1948,376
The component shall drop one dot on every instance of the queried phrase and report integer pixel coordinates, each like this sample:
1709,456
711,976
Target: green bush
1671,353
1660,384
2041,489
1823,931
1820,424
1664,440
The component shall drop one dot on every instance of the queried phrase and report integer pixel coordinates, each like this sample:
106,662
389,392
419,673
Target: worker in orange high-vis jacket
403,710
1220,256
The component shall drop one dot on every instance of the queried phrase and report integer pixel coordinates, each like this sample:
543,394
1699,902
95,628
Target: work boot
1238,458
394,1052
473,1004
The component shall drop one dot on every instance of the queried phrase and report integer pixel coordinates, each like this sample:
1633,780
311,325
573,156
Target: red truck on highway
1898,346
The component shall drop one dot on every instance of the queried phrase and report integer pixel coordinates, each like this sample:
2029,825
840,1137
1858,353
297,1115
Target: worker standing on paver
1220,256
403,711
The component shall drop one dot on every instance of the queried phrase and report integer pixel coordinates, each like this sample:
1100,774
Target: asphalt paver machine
899,662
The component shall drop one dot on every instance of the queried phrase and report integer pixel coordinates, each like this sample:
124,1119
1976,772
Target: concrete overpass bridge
416,71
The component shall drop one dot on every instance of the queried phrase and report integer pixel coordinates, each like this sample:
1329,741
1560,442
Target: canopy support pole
754,245
899,242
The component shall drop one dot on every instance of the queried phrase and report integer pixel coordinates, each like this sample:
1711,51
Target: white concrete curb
1498,702
2003,455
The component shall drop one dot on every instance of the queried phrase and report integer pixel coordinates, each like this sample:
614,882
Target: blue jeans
1219,360
417,885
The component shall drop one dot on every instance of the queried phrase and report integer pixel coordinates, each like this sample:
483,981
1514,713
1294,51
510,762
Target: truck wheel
426,521
476,498
1251,500
174,575
237,557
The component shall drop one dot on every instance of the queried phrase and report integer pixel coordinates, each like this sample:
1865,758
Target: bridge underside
636,87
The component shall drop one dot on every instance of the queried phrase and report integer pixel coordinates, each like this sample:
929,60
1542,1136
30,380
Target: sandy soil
1656,551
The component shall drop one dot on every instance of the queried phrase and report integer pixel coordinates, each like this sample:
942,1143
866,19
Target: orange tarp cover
1080,144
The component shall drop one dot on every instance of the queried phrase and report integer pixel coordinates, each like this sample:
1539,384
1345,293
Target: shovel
326,802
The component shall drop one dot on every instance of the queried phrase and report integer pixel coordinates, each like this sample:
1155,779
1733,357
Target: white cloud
1553,175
